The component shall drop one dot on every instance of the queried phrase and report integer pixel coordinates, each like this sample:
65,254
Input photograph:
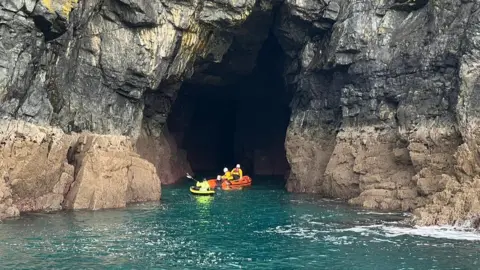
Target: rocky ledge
44,169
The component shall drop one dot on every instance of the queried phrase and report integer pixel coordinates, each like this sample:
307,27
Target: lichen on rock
62,7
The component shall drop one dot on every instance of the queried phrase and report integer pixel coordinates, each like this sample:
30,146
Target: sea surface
262,227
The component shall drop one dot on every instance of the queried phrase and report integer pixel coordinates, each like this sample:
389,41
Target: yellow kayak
195,191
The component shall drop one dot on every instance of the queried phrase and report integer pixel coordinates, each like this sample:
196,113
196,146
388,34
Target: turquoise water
260,228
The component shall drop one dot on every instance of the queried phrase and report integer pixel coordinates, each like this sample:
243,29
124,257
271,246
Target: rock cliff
383,111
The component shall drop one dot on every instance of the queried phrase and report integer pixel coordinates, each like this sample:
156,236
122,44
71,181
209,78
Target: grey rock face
136,13
20,51
403,98
93,77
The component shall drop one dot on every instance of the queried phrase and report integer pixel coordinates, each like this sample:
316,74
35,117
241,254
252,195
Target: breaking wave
314,229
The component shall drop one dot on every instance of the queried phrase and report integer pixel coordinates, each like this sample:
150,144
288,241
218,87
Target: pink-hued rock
109,174
378,168
44,169
34,166
160,149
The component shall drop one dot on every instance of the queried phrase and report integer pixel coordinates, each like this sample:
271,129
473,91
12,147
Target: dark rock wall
383,111
384,93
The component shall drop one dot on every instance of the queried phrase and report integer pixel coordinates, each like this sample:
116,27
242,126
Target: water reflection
203,207
204,201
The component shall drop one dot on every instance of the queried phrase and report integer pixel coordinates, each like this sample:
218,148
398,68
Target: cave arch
243,120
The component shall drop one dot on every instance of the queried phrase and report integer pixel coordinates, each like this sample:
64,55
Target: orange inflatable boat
245,181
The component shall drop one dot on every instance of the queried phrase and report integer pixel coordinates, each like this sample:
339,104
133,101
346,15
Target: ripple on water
256,229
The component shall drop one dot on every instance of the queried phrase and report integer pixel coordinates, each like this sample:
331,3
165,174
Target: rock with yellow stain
62,7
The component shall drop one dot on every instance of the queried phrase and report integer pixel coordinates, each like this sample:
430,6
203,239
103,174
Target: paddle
190,177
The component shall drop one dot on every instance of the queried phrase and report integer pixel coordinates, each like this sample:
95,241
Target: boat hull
198,192
245,181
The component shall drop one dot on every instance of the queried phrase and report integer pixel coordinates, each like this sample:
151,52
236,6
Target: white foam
297,231
441,232
378,213
384,230
444,232
360,229
378,240
339,240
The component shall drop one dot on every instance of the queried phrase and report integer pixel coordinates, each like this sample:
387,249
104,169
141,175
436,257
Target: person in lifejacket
203,185
228,175
219,181
237,173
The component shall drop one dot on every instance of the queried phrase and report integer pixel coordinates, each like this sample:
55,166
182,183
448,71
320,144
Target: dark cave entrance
242,122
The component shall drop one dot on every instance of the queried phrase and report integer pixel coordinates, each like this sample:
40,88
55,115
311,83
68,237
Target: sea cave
239,119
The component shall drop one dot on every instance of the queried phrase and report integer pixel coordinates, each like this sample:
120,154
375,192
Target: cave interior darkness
243,122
